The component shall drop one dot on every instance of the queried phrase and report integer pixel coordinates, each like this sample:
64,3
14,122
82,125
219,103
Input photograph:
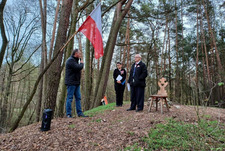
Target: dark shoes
82,115
118,105
130,109
138,110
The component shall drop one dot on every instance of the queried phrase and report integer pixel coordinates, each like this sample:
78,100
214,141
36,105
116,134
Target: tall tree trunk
214,40
2,29
53,31
156,57
183,62
43,54
177,81
127,48
54,71
107,57
61,103
189,86
149,57
44,34
87,76
170,68
164,59
40,95
203,61
82,72
69,48
196,78
205,50
87,91
4,110
3,75
50,56
14,98
162,72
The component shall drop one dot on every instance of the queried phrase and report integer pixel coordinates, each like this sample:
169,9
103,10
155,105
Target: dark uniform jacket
73,71
118,72
138,79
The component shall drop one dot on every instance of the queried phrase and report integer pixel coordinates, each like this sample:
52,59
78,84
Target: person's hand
118,81
81,61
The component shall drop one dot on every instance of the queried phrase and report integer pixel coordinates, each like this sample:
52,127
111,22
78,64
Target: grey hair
138,55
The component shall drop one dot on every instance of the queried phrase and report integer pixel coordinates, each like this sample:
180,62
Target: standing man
74,65
138,73
119,76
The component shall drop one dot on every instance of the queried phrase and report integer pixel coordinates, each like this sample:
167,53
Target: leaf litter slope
111,130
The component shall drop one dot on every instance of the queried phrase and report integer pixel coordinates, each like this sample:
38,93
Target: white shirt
137,63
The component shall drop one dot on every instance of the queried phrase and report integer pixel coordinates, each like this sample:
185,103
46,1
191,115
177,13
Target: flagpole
68,41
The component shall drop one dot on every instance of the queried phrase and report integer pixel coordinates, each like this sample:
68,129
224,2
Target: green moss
203,135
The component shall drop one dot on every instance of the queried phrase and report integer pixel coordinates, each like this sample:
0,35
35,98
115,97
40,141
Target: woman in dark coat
119,76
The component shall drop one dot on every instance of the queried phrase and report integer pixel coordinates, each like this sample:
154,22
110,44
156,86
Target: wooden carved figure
162,85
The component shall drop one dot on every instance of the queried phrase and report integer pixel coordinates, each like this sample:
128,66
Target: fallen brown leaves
111,130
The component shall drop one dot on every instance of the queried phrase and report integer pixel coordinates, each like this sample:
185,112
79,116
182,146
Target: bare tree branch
32,69
26,60
25,70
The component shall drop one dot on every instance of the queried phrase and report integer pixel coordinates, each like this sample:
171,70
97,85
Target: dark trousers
119,88
137,97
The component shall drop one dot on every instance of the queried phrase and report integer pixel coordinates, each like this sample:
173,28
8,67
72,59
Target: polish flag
92,29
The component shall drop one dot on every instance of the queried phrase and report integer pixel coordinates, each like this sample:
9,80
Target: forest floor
110,130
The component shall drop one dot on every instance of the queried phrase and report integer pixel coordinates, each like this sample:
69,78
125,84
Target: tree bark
162,55
3,75
205,83
53,30
87,79
182,50
44,50
156,57
4,109
55,69
205,50
69,48
196,77
177,76
127,48
170,68
214,41
2,29
107,57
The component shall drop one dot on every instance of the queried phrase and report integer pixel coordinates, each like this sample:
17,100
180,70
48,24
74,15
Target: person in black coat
138,73
119,76
74,65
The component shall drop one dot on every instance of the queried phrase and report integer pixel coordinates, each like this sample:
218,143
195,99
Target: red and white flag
92,29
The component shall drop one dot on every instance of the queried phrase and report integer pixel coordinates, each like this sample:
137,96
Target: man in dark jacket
138,73
74,65
119,76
